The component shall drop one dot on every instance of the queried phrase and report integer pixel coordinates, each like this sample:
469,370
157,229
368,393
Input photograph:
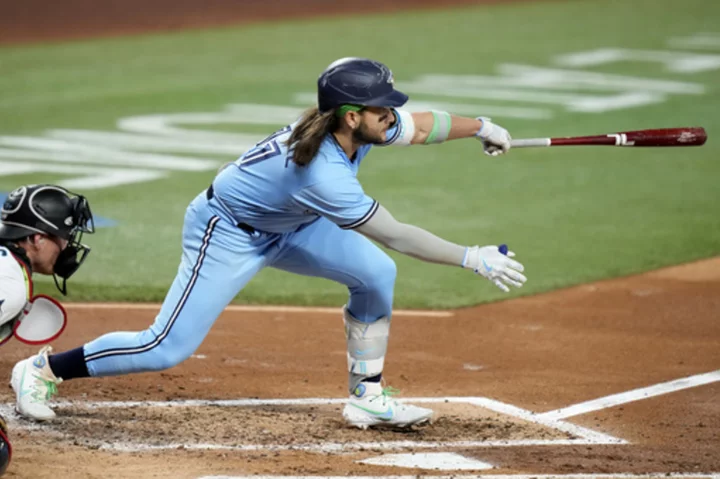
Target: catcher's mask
51,210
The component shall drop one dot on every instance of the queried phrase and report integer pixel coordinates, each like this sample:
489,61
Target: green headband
340,112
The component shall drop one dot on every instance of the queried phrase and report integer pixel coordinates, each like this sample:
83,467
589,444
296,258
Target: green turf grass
572,215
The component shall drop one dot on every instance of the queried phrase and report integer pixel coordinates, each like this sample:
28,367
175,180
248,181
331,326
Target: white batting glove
494,138
492,264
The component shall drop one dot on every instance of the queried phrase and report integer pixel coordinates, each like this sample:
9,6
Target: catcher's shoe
376,407
34,384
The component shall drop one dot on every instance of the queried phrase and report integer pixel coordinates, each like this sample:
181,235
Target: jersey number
265,149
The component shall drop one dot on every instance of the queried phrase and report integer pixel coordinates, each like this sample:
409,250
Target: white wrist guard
405,129
470,260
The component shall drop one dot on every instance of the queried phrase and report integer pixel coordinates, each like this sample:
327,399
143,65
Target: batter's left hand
494,138
496,266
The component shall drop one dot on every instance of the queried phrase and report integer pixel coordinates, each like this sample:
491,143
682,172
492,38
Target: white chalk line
551,419
581,435
332,447
631,396
693,475
423,313
588,435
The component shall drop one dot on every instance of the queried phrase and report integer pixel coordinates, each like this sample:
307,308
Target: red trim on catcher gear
53,338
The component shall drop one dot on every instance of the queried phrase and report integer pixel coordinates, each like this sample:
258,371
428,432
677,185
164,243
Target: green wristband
442,122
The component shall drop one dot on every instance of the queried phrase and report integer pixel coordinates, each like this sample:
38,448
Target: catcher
40,232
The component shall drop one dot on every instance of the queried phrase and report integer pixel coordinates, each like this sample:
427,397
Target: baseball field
605,364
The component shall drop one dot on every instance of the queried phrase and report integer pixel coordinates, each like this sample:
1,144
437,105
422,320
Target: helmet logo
14,201
69,221
16,192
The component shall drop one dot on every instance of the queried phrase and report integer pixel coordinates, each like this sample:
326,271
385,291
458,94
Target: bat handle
503,248
530,142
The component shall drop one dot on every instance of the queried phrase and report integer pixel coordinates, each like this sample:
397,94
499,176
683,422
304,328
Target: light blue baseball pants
218,260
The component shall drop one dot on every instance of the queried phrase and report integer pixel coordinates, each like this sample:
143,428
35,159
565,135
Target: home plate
444,461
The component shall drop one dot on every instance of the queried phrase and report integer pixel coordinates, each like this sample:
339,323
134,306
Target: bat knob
503,249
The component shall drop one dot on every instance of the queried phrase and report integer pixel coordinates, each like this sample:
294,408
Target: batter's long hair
308,134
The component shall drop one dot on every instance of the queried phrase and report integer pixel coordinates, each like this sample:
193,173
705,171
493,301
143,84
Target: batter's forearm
463,127
411,240
437,127
423,245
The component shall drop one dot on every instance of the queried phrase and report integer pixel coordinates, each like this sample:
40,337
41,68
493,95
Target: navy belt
243,226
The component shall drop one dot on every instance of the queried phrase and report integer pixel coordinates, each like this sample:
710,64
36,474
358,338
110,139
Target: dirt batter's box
301,425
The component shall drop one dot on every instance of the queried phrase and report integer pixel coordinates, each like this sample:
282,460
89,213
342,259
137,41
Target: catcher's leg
323,249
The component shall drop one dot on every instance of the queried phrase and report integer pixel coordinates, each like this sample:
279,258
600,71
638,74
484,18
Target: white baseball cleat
382,410
34,384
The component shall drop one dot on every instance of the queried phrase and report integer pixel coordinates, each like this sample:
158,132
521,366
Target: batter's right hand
499,268
494,138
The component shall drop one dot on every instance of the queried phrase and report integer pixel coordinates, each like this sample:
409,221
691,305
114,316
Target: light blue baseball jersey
299,207
265,189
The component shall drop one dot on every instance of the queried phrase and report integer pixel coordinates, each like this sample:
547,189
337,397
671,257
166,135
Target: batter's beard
361,136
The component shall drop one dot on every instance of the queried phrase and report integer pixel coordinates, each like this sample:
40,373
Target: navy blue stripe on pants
178,308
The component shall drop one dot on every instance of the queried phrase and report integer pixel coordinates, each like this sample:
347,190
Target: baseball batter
293,202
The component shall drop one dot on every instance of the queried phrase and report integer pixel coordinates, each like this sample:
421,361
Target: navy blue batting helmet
357,81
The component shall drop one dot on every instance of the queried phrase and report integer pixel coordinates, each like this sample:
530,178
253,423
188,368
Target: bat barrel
667,137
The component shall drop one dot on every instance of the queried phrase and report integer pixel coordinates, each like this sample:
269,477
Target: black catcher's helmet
51,210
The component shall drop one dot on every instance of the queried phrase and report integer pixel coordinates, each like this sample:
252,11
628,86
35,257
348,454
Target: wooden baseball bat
690,136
